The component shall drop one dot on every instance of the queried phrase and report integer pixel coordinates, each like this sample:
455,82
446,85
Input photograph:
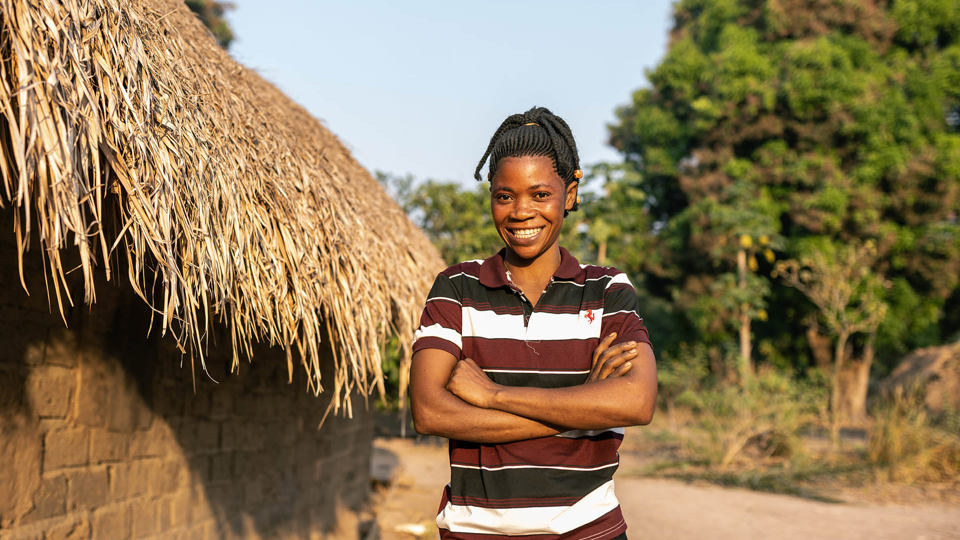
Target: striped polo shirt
549,487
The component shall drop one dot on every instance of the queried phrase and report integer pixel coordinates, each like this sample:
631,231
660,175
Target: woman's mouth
525,234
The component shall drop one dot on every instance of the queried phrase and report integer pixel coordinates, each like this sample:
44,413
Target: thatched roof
127,132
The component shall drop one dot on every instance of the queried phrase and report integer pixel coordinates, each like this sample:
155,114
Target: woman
529,362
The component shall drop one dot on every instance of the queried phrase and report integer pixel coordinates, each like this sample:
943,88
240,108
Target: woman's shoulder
468,268
596,271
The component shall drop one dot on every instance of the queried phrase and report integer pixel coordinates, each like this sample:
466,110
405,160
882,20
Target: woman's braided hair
537,132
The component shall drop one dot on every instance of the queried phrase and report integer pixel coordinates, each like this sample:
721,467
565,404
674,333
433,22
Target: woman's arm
437,378
437,411
612,402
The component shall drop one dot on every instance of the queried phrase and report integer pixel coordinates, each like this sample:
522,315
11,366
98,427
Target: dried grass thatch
127,132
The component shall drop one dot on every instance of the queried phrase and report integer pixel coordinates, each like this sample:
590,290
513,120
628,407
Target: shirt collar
493,273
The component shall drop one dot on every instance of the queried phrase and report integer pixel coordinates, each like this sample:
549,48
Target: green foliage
678,377
457,220
763,417
816,125
211,13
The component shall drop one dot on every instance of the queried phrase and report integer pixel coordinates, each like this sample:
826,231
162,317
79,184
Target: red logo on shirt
589,316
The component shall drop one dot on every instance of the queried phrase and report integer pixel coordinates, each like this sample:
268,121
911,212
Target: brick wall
102,435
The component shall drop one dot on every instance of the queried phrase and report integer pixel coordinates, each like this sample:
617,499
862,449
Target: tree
211,13
457,220
847,294
818,122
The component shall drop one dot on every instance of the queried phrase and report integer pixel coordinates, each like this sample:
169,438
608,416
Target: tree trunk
835,408
819,345
745,367
854,382
602,253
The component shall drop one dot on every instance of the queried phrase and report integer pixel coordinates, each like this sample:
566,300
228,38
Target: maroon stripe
447,314
553,355
594,272
584,452
628,327
569,310
619,286
487,306
470,267
430,342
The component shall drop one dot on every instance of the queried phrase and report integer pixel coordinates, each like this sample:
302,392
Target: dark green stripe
526,483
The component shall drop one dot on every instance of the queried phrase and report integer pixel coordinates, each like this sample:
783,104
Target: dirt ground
414,473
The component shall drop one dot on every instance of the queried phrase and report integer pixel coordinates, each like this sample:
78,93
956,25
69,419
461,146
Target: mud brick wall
102,435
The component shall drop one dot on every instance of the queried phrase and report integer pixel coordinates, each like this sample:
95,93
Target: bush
764,416
911,446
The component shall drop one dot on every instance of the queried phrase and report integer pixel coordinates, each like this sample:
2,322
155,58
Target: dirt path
667,509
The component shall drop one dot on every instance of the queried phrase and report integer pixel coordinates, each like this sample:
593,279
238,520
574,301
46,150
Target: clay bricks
50,389
74,528
87,488
108,446
111,523
51,499
145,520
65,448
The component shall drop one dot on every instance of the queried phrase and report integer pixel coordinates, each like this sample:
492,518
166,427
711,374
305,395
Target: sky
419,87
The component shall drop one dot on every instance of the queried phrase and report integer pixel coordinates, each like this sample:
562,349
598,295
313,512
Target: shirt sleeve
441,320
621,312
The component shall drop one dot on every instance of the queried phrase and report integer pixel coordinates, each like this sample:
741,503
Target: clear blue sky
419,87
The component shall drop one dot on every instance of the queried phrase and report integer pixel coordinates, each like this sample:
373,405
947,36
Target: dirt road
666,509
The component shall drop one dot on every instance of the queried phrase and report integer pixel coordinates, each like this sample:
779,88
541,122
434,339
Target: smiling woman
528,200
529,362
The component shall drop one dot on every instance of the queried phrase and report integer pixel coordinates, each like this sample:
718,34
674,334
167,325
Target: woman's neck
532,276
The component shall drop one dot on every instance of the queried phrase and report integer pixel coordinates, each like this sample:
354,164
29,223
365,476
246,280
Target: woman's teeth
524,234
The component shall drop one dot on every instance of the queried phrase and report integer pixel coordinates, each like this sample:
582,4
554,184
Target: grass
814,470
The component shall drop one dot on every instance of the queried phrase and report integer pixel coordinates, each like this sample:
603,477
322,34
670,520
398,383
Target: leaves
812,123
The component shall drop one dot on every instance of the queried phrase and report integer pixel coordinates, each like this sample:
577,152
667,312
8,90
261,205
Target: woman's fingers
615,358
610,359
601,347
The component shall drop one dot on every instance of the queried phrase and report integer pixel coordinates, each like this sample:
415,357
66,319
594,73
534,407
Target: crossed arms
455,399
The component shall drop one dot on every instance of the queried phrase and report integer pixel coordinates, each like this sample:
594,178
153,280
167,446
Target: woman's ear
571,197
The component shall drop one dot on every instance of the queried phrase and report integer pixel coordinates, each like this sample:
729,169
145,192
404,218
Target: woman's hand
471,384
612,361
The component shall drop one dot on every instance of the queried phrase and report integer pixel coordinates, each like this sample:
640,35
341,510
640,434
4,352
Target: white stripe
541,326
553,326
464,274
552,467
578,433
537,371
632,312
438,331
621,279
454,300
487,324
533,520
574,283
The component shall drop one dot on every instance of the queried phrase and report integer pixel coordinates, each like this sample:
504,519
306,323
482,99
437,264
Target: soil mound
934,369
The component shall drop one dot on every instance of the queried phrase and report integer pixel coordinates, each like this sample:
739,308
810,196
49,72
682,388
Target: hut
196,275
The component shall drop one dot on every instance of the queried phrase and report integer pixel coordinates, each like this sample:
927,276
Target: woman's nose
522,208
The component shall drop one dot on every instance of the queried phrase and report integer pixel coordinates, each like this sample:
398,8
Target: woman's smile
525,234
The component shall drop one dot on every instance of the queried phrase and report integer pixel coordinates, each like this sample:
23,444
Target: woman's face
527,201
